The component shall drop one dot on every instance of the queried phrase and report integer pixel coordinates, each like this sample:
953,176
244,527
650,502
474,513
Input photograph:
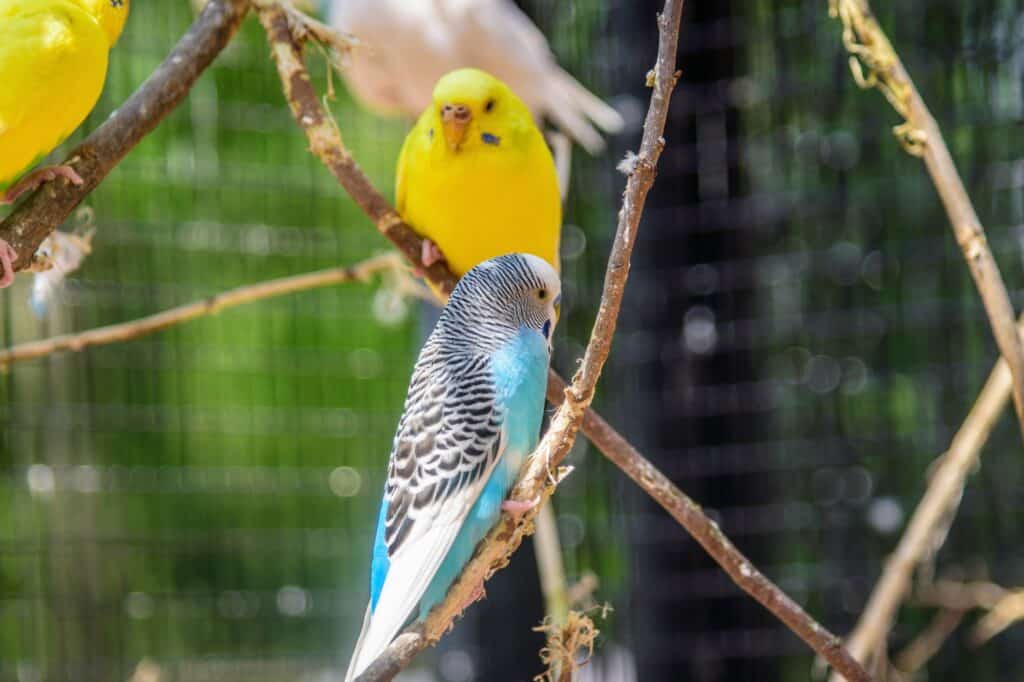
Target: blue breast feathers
520,377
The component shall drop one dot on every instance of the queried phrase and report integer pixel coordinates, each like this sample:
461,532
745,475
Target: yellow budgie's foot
7,257
38,177
429,253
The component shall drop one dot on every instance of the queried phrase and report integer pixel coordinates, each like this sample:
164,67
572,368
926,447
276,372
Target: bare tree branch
927,528
208,306
920,135
39,215
705,531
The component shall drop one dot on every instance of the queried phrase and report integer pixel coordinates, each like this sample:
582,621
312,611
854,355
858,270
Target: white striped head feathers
503,295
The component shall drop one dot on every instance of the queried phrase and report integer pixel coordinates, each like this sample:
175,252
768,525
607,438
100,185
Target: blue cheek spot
490,139
430,134
546,329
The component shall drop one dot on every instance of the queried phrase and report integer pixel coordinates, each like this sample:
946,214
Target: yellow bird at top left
53,62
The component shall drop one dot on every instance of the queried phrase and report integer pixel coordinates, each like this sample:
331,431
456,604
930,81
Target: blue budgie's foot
516,509
7,257
478,593
38,177
429,253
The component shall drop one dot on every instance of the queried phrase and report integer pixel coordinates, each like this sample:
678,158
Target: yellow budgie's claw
37,178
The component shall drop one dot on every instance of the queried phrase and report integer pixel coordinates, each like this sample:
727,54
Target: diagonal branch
920,136
930,522
190,311
39,215
326,143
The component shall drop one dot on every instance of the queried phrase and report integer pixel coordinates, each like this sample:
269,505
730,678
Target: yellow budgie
476,178
53,62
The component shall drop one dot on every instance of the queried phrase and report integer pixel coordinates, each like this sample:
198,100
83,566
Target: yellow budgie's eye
116,3
489,105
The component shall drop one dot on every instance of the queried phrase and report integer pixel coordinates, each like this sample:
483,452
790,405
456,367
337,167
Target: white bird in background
410,44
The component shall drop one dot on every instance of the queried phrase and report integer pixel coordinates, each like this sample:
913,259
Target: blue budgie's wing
448,441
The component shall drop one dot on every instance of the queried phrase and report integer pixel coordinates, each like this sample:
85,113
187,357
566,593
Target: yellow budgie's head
111,15
473,109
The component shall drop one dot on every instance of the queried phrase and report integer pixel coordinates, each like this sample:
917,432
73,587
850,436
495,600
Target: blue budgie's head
502,297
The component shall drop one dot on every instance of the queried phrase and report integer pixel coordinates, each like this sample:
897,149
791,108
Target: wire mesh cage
801,339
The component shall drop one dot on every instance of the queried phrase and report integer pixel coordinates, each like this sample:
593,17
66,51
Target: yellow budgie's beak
455,120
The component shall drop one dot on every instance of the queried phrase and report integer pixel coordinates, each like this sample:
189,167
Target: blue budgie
472,415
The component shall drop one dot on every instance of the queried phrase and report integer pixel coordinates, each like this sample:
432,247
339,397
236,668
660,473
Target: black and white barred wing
448,441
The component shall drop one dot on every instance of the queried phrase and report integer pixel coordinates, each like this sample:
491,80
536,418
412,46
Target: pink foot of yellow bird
38,177
53,62
476,178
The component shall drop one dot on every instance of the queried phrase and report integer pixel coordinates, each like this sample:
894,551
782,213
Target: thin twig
923,647
1004,607
920,135
190,311
548,549
35,218
928,525
326,143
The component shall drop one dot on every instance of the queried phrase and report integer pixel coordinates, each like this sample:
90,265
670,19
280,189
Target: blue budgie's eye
546,329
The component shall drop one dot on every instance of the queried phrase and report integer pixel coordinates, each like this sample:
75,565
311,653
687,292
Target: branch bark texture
39,215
